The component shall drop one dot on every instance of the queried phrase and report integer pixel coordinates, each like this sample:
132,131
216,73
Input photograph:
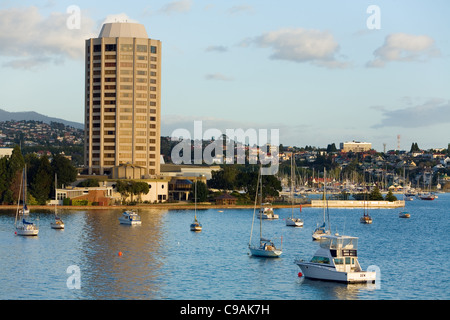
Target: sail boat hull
195,226
27,231
366,220
264,252
57,225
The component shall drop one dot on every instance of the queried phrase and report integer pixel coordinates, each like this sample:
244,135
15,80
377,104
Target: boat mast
24,177
195,200
254,209
292,186
325,198
260,201
18,200
56,195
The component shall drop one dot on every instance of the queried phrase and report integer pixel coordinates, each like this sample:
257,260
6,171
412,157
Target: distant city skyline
321,73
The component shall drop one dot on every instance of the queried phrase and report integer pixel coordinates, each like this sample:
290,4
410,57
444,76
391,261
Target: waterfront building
355,146
122,100
6,152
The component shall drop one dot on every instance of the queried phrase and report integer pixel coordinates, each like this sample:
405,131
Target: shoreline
163,206
184,206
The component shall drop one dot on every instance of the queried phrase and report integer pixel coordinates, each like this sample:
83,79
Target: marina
161,259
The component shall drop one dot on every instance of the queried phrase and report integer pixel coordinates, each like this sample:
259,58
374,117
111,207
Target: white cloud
432,112
404,47
218,76
180,6
121,17
300,45
28,37
216,49
241,9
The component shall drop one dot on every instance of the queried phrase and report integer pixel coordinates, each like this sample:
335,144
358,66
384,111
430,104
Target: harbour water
161,259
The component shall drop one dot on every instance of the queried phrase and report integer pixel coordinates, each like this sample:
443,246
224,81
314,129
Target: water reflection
137,272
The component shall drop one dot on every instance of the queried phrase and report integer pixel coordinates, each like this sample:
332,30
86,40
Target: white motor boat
294,222
336,260
130,217
24,210
267,212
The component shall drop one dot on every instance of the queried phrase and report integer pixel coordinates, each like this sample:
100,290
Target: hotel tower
123,99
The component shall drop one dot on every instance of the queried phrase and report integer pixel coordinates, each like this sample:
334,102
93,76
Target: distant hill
31,115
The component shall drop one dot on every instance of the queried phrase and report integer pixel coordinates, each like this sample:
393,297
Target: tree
123,188
414,147
138,188
375,194
15,167
202,191
390,197
88,183
331,148
64,170
42,182
3,177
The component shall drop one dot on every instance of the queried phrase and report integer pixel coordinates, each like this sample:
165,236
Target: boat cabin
338,251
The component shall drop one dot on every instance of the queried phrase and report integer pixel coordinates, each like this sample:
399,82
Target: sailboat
266,248
293,222
366,218
322,231
25,210
57,223
24,227
404,213
195,225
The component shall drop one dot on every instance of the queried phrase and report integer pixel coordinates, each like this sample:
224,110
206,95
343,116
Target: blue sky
312,69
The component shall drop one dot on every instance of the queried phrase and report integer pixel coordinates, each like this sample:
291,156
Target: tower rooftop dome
123,29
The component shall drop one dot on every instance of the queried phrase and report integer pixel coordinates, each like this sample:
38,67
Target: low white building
158,192
355,146
6,152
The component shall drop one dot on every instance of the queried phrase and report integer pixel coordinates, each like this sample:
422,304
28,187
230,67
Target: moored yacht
265,249
27,228
130,217
336,260
266,211
404,214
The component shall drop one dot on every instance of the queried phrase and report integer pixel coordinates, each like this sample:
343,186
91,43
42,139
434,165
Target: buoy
300,274
120,253
15,232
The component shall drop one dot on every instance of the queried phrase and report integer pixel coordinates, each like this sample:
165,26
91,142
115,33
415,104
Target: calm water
162,259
